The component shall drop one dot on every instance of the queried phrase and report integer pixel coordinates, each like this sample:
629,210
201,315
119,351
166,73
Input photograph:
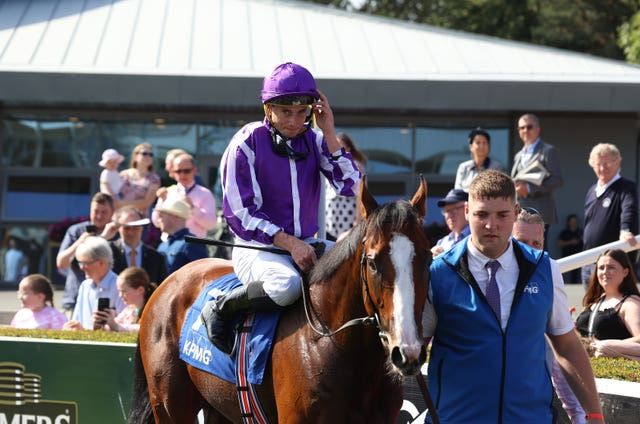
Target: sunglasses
146,154
528,127
183,171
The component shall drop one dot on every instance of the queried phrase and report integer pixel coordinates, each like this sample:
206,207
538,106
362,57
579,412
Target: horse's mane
391,217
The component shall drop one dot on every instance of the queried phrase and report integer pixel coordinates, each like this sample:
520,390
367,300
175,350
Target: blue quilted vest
477,372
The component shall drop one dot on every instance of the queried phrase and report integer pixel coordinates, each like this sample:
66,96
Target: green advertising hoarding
64,382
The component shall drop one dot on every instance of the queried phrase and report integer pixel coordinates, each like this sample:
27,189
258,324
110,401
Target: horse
316,374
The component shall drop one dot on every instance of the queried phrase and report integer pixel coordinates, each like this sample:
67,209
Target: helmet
289,84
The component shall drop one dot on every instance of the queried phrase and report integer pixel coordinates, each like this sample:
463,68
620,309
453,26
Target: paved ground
9,303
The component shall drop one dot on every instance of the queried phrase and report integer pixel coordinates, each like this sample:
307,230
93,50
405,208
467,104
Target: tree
629,38
587,26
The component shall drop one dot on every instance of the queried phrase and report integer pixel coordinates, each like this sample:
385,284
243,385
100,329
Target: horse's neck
338,298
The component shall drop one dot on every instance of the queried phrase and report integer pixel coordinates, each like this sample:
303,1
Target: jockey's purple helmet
289,84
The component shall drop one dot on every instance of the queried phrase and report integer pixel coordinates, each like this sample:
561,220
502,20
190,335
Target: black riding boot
218,314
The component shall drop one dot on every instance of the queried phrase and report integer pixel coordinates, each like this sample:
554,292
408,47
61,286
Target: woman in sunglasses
140,181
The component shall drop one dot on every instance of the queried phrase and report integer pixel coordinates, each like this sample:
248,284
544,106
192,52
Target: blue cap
454,196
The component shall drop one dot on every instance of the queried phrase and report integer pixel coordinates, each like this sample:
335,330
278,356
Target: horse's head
395,274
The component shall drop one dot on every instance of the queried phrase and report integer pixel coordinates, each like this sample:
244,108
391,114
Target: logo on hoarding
21,399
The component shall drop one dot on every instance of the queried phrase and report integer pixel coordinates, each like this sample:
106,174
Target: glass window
388,150
40,144
124,136
441,150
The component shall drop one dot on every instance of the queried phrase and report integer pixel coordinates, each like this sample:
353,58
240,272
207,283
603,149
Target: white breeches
281,280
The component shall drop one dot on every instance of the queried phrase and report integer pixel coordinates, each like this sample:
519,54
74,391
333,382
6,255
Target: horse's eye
371,263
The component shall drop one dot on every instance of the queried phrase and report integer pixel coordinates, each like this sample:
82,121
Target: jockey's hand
302,253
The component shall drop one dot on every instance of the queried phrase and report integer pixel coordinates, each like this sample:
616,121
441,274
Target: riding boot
218,314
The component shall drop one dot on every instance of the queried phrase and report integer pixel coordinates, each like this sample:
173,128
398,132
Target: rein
371,319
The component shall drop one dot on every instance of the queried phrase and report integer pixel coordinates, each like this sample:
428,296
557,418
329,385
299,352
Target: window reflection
49,143
388,150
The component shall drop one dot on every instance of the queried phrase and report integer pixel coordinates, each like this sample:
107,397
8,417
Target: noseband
371,319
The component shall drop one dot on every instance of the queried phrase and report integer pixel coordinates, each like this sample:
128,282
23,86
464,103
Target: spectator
477,287
15,263
529,229
200,200
168,161
134,288
341,212
479,145
100,213
95,259
173,215
611,315
161,193
611,205
271,193
570,243
35,294
535,151
454,215
140,182
129,251
110,180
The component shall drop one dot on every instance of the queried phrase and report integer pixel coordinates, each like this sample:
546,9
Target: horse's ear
420,198
367,202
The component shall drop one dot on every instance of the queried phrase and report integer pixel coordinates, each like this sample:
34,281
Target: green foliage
588,26
616,369
629,38
85,335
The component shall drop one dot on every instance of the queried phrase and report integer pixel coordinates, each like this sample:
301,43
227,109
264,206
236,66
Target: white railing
589,256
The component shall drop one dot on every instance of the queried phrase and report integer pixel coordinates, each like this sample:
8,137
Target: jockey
271,186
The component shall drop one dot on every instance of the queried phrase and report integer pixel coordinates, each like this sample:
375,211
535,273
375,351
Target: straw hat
175,207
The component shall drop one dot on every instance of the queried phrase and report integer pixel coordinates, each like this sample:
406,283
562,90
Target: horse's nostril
423,355
396,357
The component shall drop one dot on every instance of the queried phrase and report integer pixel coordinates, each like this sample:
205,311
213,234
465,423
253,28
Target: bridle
365,321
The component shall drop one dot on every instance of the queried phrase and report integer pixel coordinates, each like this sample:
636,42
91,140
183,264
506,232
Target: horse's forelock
390,217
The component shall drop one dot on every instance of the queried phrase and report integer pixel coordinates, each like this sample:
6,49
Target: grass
84,335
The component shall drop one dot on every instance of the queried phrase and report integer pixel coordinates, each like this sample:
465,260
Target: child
34,292
110,180
134,289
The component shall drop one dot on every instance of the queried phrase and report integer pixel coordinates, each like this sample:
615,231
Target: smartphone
103,303
91,228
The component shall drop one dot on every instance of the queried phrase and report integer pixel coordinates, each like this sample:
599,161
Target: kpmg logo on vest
531,288
20,399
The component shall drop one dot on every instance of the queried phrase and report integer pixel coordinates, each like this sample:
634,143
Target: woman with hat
271,183
479,145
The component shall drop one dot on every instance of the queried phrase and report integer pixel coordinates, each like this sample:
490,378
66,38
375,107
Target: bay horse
380,270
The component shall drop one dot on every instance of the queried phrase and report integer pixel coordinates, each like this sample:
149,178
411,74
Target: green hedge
613,368
83,335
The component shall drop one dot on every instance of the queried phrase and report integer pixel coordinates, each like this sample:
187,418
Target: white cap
109,154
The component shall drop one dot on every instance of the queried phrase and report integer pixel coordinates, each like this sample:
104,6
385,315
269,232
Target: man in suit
539,197
129,249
